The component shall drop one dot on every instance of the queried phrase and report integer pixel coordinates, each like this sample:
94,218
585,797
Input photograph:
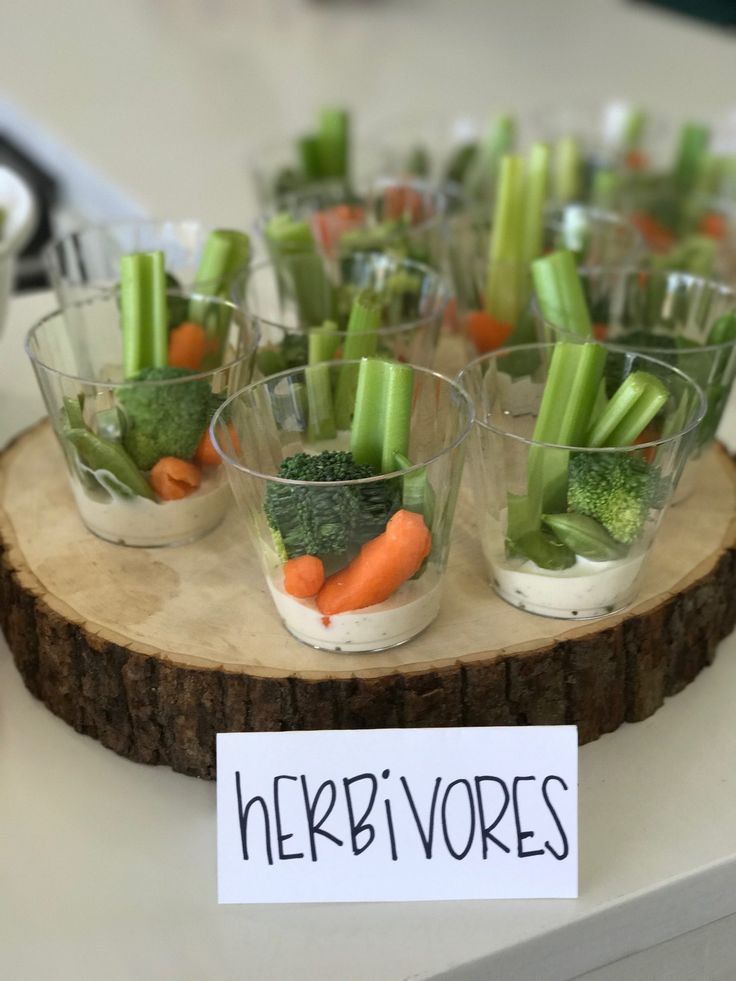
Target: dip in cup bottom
372,540
566,530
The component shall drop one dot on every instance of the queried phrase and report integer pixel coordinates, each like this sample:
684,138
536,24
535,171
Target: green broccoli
617,489
164,420
316,521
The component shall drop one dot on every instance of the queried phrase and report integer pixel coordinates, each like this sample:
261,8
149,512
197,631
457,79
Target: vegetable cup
141,466
684,232
376,305
401,216
597,147
566,523
492,297
686,321
197,259
346,474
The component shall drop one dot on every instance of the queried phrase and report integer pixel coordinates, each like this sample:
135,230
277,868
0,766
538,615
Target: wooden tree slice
153,651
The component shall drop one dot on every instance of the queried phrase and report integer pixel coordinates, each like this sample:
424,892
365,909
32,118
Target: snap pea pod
543,549
722,330
100,454
73,413
585,536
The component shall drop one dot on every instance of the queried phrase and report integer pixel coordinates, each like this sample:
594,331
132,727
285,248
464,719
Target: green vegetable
361,341
299,267
226,252
633,406
482,171
143,311
382,416
73,417
321,412
310,157
334,142
585,536
417,493
101,454
690,159
722,330
323,342
504,259
457,166
617,489
567,170
164,420
329,520
560,293
544,550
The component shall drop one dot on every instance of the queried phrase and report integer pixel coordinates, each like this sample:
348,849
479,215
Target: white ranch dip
138,521
395,621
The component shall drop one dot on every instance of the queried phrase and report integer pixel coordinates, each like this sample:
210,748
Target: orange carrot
649,435
600,331
636,160
330,224
655,234
206,455
713,225
173,478
403,201
451,319
187,346
485,331
304,576
381,566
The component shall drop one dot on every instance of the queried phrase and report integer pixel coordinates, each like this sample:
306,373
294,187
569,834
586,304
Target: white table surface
107,867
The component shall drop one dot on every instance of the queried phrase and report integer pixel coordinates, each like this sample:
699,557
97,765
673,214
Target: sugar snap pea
585,536
544,549
101,454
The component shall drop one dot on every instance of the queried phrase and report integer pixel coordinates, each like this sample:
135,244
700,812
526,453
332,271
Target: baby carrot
600,331
304,576
713,225
173,478
381,566
187,346
485,331
206,455
655,234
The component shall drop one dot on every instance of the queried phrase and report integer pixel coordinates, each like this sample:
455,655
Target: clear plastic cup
286,301
83,262
566,530
119,436
290,516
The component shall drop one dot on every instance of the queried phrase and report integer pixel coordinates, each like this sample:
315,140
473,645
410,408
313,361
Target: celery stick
225,253
399,387
605,191
361,341
334,142
535,197
323,342
310,155
366,434
482,170
566,171
632,407
143,311
299,267
691,152
504,261
417,493
560,293
321,424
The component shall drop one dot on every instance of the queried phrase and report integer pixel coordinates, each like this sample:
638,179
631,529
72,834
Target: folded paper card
397,814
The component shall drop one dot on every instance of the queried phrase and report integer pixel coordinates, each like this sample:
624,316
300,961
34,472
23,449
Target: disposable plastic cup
114,431
287,301
567,530
287,517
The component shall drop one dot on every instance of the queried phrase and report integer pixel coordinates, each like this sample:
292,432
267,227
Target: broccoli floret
617,489
312,521
164,420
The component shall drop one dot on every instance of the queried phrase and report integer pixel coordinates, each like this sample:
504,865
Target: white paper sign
397,814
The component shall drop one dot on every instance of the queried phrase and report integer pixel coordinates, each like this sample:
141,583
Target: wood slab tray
153,651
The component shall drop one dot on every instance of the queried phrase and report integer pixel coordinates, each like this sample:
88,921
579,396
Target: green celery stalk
323,342
537,179
225,253
691,153
566,171
382,417
334,142
560,293
417,493
299,267
605,190
143,312
361,341
321,424
482,170
310,156
504,259
632,407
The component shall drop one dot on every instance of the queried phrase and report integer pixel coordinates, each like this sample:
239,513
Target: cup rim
356,482
627,270
702,404
440,299
108,295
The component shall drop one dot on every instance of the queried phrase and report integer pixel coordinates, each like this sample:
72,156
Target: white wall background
167,97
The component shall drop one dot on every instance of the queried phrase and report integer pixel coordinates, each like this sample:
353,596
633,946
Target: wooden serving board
153,651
